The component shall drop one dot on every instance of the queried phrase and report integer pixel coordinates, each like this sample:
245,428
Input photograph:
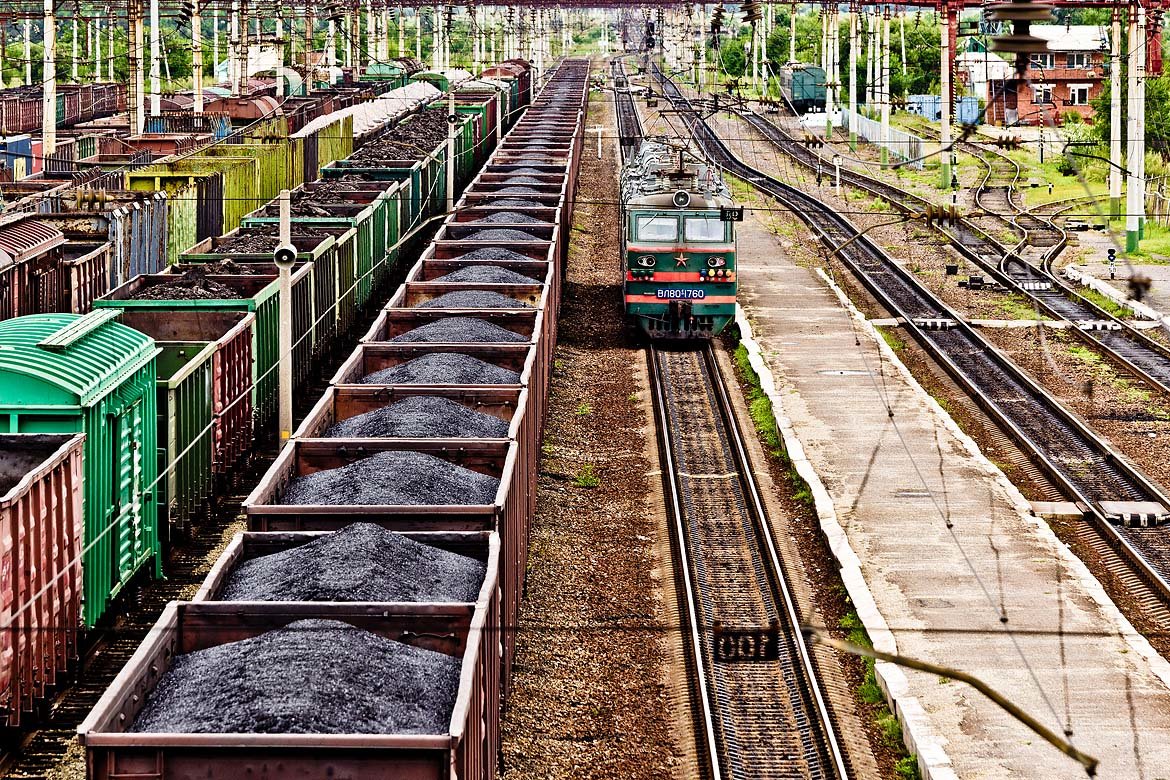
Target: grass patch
892,339
587,477
1084,354
583,409
871,693
1016,308
1154,248
764,419
1105,302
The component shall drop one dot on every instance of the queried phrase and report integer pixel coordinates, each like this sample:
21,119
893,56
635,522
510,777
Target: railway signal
1112,263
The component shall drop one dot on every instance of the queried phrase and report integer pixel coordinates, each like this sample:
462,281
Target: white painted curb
917,730
1081,275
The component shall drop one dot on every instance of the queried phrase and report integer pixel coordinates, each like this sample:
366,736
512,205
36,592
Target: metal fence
902,145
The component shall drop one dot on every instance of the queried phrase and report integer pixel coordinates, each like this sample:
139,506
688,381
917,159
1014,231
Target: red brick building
1061,81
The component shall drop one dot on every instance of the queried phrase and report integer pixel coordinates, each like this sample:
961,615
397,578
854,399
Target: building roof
1074,37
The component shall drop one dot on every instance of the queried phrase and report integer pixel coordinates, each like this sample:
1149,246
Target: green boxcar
64,373
376,226
259,294
183,384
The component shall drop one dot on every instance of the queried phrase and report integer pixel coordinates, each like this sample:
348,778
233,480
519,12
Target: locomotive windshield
657,229
705,229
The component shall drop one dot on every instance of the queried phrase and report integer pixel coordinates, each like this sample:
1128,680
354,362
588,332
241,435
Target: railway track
1083,465
629,125
1127,347
762,713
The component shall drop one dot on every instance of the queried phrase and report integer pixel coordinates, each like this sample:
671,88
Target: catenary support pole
885,55
945,103
451,122
97,50
1115,128
197,60
73,46
28,52
155,62
792,33
853,37
49,77
284,359
134,64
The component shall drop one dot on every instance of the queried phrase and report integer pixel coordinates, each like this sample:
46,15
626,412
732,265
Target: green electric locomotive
678,241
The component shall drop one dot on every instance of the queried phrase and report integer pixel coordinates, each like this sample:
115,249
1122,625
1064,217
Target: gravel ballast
392,479
473,299
361,562
486,274
460,330
310,677
443,368
421,417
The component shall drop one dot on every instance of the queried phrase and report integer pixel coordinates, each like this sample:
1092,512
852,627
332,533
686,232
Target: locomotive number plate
682,295
739,645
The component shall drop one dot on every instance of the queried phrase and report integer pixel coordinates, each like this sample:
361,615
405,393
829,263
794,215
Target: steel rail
896,288
734,738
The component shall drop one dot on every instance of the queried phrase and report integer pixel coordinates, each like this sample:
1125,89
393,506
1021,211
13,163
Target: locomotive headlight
646,261
716,262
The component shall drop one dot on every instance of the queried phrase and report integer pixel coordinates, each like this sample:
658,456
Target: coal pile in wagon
309,677
523,180
508,218
460,330
497,253
394,478
361,562
412,140
517,189
191,285
512,202
443,368
473,299
501,234
421,417
486,274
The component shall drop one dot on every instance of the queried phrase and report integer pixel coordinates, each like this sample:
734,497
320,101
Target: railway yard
583,390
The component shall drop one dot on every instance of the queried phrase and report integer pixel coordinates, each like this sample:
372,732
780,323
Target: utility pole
792,34
946,95
853,9
418,34
110,46
885,55
73,45
310,33
155,82
1115,115
97,50
215,46
134,64
1134,189
280,86
197,58
869,51
233,47
243,49
49,90
401,50
28,52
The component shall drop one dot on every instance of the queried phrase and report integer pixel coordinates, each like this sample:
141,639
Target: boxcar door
130,538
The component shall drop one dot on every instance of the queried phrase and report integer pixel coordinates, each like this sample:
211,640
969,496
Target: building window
1078,95
1042,94
1081,60
1043,61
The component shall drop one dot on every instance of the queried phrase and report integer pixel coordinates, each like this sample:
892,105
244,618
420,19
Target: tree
1157,115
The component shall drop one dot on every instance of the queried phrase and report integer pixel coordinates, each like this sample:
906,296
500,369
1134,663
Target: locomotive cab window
657,229
705,229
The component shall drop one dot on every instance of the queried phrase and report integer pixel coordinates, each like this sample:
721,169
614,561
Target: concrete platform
890,487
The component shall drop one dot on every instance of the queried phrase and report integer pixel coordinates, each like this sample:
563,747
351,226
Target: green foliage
1157,114
907,768
733,58
587,477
